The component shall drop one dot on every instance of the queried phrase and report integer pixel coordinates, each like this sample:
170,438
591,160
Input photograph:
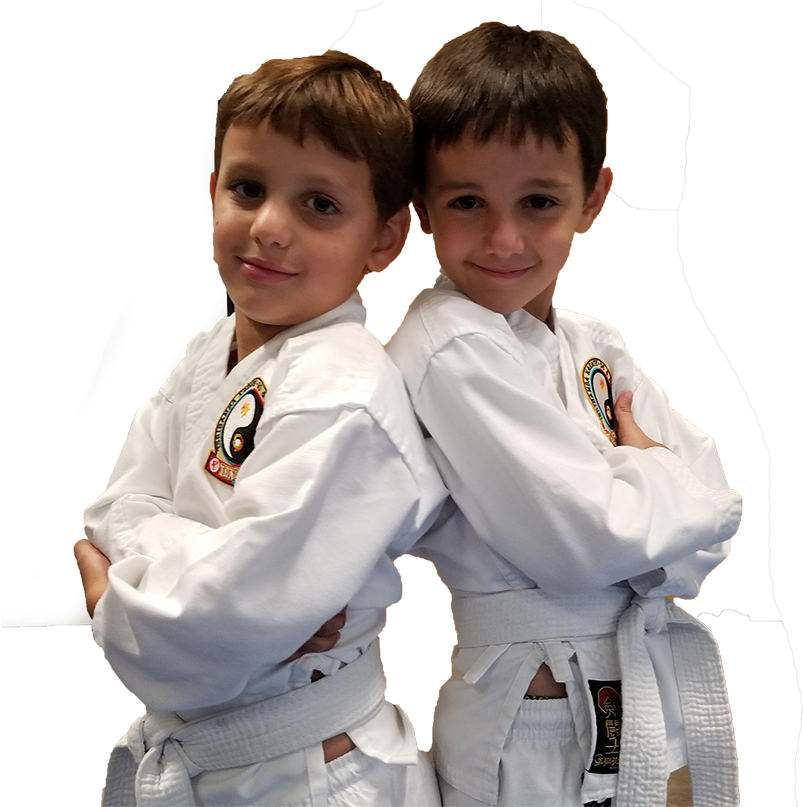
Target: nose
503,236
272,223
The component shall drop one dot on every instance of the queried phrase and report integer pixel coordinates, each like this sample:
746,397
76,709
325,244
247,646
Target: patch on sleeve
234,433
598,384
607,699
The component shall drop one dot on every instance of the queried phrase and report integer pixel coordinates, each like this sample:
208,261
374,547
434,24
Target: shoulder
438,319
591,338
579,326
342,369
341,365
441,314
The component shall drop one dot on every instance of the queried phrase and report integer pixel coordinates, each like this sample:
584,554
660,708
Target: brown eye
540,202
247,190
323,205
466,202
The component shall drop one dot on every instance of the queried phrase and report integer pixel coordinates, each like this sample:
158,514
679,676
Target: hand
628,431
325,638
94,568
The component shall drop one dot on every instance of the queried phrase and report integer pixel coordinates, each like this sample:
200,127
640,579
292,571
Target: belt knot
654,611
150,731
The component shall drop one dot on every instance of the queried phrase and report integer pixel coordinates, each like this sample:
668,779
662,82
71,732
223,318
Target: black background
106,119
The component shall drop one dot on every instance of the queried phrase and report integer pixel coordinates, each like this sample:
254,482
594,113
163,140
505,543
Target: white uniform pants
542,763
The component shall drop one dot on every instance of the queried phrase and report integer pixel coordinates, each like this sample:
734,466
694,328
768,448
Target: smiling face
296,228
503,217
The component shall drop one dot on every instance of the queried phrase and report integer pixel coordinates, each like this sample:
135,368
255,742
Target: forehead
262,149
502,161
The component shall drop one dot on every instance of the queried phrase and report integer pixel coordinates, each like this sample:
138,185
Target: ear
390,240
595,200
212,187
421,209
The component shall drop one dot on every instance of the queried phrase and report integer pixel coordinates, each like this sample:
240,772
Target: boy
563,544
275,476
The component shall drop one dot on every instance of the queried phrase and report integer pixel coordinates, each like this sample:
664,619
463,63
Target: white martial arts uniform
550,516
245,510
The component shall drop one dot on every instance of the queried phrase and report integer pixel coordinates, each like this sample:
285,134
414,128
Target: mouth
503,272
261,271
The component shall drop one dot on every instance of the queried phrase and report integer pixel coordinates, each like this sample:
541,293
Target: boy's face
503,217
295,229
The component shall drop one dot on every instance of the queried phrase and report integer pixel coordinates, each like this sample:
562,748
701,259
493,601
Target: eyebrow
238,167
545,184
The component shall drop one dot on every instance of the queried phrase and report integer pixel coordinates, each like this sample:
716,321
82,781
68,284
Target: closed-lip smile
510,272
263,271
266,266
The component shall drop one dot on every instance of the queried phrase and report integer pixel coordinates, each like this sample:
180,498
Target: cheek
218,234
451,240
557,241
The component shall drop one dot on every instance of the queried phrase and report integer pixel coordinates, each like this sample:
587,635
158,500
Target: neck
541,306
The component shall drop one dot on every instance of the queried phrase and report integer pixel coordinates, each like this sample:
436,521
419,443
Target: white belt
150,765
531,615
710,742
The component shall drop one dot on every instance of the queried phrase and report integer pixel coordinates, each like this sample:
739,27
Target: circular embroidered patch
598,384
235,430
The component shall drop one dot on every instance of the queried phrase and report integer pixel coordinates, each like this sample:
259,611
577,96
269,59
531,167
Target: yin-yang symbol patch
235,430
598,384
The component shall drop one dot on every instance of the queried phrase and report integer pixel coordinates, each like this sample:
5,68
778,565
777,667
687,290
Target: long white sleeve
538,492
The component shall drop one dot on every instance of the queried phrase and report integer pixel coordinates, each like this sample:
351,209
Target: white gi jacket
547,501
214,584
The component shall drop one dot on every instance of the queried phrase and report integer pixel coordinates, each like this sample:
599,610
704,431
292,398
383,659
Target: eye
322,205
245,189
539,202
465,203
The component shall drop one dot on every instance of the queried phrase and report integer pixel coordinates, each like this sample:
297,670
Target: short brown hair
498,79
339,99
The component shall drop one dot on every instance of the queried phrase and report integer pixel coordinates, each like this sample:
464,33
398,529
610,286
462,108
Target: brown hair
502,80
339,99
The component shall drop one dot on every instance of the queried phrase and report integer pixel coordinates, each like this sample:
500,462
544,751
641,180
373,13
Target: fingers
623,416
93,567
325,638
332,625
91,561
628,432
624,403
316,644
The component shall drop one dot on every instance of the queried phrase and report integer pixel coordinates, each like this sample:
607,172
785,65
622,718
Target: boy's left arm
649,407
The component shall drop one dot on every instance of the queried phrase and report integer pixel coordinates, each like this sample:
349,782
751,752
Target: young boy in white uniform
571,526
274,477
